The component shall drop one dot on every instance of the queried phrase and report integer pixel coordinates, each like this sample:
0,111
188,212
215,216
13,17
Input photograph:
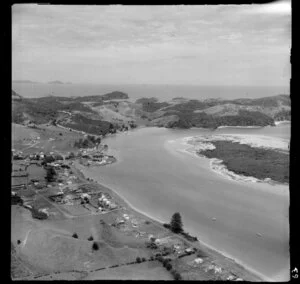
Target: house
176,247
189,250
44,210
85,196
126,216
27,206
120,221
113,206
198,260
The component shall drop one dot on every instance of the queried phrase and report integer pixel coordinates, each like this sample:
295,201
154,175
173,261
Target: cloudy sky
199,45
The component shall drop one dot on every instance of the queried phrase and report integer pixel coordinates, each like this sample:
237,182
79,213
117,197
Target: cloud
177,39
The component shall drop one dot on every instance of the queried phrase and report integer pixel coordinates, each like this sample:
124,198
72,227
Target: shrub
90,238
168,266
38,214
160,258
152,258
75,236
138,260
189,237
167,225
143,259
60,134
175,274
18,242
95,246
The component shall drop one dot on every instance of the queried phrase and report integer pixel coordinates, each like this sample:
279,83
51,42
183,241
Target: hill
113,108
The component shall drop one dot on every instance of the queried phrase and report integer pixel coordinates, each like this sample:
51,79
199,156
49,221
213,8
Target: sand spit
201,143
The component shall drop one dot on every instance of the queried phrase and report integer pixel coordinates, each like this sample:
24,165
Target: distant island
24,81
58,82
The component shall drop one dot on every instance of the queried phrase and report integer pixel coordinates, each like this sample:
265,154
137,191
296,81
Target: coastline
212,250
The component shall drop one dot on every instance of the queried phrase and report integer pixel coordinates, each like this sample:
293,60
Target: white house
198,260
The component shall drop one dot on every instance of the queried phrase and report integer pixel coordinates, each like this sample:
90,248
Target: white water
158,176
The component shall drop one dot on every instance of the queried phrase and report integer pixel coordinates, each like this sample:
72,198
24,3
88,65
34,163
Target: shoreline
84,171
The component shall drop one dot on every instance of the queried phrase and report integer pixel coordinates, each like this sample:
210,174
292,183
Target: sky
180,44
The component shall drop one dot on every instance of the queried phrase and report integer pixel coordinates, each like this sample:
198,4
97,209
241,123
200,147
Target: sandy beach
222,257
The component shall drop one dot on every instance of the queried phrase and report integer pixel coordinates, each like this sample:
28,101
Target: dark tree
95,246
169,266
176,223
138,260
75,236
51,173
90,238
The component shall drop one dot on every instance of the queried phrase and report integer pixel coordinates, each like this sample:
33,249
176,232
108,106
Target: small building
85,196
198,260
189,250
126,216
44,210
120,221
113,206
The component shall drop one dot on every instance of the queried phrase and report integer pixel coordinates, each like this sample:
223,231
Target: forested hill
115,108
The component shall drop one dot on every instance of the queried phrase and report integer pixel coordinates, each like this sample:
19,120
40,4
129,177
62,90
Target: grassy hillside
94,113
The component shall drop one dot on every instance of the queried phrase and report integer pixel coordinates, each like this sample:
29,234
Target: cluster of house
17,155
30,124
104,202
97,158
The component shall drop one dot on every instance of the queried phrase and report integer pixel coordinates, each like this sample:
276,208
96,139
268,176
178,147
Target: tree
169,266
75,236
95,246
51,173
176,223
138,260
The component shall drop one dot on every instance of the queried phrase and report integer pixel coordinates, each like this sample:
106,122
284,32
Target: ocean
162,92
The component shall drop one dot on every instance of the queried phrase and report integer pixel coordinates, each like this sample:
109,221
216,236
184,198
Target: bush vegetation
249,161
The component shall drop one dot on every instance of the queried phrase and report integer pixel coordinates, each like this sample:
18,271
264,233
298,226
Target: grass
141,271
